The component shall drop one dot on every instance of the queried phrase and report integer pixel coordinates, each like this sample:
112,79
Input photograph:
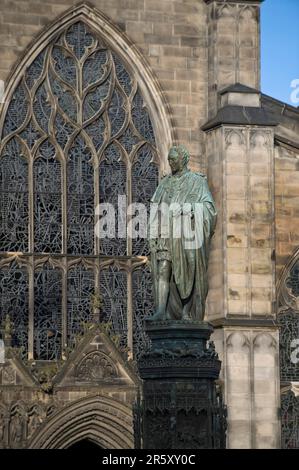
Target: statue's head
178,158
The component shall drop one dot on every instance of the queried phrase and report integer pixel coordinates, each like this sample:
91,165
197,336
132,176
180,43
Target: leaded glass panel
47,313
80,209
141,118
290,420
35,70
95,67
14,302
17,110
292,281
42,108
144,183
80,295
30,134
122,75
289,331
13,198
112,182
79,39
47,201
113,289
143,307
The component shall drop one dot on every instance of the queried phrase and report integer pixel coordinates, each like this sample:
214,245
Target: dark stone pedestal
180,407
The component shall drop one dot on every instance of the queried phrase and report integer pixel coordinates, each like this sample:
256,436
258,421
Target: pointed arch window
76,132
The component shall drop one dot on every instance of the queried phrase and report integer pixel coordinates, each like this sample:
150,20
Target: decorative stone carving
17,426
237,341
45,374
109,420
3,425
8,376
234,138
228,10
35,419
264,341
248,14
260,139
95,366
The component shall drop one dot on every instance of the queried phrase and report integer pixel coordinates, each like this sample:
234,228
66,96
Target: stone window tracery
75,133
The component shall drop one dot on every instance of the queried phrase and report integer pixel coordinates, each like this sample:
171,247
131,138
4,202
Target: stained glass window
288,321
76,133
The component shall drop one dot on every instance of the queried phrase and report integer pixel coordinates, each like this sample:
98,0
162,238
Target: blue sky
280,48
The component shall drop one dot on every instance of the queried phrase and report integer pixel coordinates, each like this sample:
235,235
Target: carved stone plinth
180,407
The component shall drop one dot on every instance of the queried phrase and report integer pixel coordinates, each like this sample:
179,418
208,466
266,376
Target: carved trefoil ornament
95,366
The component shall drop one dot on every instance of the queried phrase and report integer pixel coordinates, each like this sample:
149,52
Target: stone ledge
240,115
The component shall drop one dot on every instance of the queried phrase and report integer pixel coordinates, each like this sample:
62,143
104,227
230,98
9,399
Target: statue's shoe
159,316
185,314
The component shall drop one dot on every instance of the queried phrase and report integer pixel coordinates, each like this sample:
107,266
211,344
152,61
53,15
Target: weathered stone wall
286,204
170,33
241,175
234,49
242,281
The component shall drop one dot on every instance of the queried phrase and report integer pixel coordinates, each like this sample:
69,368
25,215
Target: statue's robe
189,280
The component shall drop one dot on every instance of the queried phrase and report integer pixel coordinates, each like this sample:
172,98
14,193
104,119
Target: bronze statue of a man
179,258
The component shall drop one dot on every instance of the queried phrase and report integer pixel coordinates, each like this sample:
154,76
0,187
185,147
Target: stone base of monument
180,407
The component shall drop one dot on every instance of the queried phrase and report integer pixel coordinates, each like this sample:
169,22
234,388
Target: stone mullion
96,203
64,305
96,270
130,306
129,202
64,251
30,268
129,253
64,206
31,258
31,205
97,242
